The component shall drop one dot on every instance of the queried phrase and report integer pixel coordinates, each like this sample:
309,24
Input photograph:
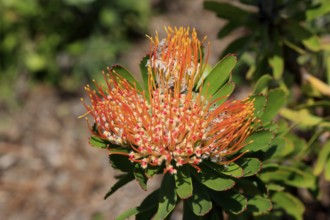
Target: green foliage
65,42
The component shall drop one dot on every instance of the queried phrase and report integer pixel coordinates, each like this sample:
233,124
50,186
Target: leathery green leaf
259,102
167,197
276,98
98,142
128,213
200,202
213,179
231,201
233,170
219,75
183,182
259,205
323,156
250,166
288,175
222,94
292,205
258,140
126,75
261,84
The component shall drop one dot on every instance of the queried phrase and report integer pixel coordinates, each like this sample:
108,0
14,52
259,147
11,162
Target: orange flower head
177,125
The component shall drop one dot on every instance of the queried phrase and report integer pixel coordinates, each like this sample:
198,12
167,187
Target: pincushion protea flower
173,123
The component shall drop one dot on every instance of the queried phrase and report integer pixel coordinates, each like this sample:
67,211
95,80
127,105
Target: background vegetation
49,49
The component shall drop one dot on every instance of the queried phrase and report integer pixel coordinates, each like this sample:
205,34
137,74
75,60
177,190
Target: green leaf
128,213
126,178
228,11
276,98
292,205
127,75
259,205
250,166
167,197
288,175
258,140
277,64
327,170
183,182
213,179
99,142
231,201
223,93
200,202
219,75
252,186
279,148
121,163
233,170
259,102
139,174
319,11
145,74
323,156
150,171
262,84
304,118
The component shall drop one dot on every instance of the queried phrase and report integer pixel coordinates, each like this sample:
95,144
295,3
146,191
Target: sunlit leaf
183,182
167,197
223,93
258,140
323,157
262,84
213,179
288,175
98,142
200,202
250,166
219,75
276,98
127,75
258,204
292,205
233,170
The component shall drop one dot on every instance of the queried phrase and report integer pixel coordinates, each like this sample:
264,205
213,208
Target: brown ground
47,168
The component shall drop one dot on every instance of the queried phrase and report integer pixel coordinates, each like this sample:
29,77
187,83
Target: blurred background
48,51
